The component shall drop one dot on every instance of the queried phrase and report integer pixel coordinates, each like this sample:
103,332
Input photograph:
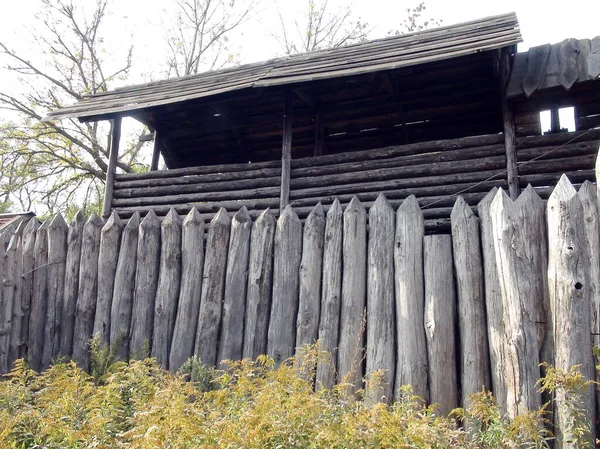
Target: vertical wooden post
115,137
319,133
155,152
510,139
286,152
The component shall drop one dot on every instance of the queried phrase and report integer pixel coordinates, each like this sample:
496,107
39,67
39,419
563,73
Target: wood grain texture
74,239
39,295
16,342
381,355
569,281
110,243
213,288
281,339
124,289
167,291
146,282
331,297
311,272
260,281
411,356
519,271
85,309
57,257
351,351
468,265
29,236
7,274
192,266
440,323
234,299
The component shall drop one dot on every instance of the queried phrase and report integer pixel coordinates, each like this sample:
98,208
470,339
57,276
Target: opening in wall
557,120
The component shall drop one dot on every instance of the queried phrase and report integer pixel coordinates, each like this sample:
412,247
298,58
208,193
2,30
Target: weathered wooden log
569,282
354,295
222,183
440,322
7,274
380,302
167,291
122,303
260,277
468,266
411,358
57,258
311,270
85,308
110,242
519,268
29,235
557,139
234,299
331,297
213,288
494,306
192,265
146,282
16,342
281,338
71,284
37,315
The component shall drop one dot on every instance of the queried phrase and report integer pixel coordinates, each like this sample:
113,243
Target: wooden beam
286,152
508,116
155,153
115,138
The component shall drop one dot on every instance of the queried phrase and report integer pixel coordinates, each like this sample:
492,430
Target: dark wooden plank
510,139
536,68
286,151
567,61
115,138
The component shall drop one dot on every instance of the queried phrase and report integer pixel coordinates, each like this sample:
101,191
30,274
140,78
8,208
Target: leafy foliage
251,404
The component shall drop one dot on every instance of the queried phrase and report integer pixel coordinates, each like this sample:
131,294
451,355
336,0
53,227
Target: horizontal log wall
451,313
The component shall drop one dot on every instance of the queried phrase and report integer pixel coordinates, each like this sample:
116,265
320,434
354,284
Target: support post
155,153
508,117
286,152
115,137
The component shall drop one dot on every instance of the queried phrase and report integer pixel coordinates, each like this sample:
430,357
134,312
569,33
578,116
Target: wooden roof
564,64
379,55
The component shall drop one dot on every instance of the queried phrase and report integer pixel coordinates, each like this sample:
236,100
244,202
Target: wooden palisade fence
449,314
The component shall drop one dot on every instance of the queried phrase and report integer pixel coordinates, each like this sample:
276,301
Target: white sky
542,21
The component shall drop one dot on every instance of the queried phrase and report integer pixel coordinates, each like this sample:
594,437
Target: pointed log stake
167,291
122,303
146,281
281,339
380,302
213,288
234,302
440,322
192,265
522,296
331,299
6,299
37,317
311,269
17,307
85,309
474,351
569,281
57,258
71,283
493,304
411,359
110,242
354,296
260,277
29,235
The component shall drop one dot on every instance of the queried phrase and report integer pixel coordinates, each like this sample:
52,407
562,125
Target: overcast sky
542,21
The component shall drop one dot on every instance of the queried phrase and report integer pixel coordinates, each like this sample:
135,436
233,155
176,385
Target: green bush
252,404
